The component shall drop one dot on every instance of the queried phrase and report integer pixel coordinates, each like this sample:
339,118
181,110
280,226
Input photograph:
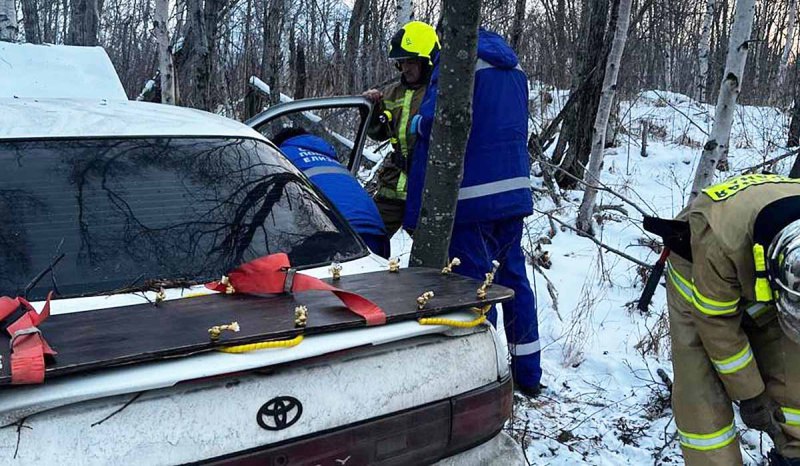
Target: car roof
68,118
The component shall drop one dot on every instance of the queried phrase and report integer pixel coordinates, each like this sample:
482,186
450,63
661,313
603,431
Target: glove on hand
760,413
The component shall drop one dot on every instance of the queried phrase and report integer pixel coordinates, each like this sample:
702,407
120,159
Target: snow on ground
605,404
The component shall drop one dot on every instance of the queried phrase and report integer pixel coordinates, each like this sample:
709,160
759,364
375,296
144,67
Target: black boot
776,459
533,391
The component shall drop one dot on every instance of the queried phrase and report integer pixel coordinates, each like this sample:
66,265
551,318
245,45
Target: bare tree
84,22
592,177
8,21
716,148
272,60
165,66
519,24
450,132
30,18
704,49
787,48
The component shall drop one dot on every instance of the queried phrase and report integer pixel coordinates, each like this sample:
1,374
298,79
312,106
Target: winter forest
678,111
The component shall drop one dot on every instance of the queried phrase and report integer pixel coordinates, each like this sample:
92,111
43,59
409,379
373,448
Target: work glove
762,413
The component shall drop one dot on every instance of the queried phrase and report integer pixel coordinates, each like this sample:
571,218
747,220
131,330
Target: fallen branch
770,161
595,240
551,290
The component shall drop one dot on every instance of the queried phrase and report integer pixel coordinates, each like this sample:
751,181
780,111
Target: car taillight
479,415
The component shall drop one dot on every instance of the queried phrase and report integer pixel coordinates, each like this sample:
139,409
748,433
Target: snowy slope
604,404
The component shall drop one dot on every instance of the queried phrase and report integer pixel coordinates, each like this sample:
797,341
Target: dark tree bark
300,72
519,24
30,18
84,22
272,59
450,132
196,61
351,44
575,141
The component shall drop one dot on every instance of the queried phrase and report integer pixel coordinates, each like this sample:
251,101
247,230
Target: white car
99,194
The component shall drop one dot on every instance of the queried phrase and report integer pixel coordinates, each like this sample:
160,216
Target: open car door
342,121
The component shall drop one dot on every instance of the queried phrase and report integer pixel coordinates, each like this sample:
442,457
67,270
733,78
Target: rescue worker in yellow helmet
412,47
733,291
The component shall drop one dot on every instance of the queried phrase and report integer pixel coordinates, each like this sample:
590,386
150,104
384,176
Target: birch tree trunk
8,21
450,133
716,148
405,12
704,50
592,177
787,48
165,65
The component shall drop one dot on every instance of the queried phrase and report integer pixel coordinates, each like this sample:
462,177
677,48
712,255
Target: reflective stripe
713,307
705,305
495,187
403,131
705,442
757,310
792,416
525,349
392,104
401,183
482,64
683,286
331,170
389,193
736,362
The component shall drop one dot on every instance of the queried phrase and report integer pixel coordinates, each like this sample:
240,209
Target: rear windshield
122,212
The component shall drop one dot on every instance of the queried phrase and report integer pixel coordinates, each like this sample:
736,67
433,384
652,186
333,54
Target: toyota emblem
279,413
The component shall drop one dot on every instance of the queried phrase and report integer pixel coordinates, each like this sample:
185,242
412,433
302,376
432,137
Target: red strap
28,347
270,275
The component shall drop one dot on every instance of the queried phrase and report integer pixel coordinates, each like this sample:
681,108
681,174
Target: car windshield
120,212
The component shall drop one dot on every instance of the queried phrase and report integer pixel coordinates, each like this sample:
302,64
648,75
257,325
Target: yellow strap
402,182
458,323
263,345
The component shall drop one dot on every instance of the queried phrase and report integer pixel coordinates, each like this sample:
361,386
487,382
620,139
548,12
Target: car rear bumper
420,435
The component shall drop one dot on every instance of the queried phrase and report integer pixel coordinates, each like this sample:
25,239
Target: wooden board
145,332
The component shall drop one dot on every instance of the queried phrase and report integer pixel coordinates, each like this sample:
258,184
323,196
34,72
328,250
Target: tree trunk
30,18
272,59
405,12
8,21
165,67
84,22
592,178
300,72
192,57
716,148
450,133
787,48
519,24
351,44
575,140
701,91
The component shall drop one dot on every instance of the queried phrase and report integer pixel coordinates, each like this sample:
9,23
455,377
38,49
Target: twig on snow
595,240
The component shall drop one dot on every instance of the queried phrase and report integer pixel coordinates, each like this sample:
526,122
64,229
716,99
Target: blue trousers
379,244
477,244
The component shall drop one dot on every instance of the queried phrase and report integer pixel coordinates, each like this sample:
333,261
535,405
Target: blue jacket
496,182
317,159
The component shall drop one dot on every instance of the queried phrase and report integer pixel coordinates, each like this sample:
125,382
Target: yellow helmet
414,40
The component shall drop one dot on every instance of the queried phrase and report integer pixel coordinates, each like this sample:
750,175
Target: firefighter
495,194
412,48
317,159
733,291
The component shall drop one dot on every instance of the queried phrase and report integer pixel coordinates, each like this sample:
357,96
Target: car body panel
211,418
